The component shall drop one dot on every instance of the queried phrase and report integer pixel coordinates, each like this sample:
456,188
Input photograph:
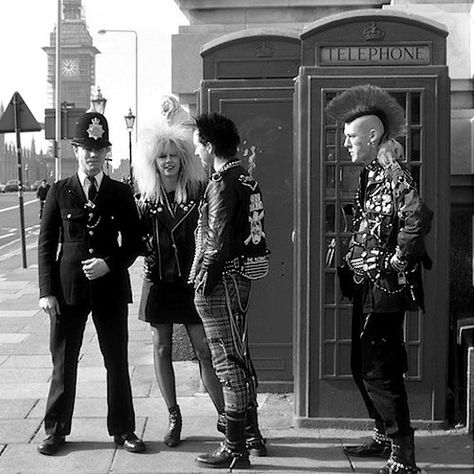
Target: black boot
402,457
232,453
173,435
253,438
379,446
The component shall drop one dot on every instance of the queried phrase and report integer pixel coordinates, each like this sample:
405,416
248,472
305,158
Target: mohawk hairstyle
367,99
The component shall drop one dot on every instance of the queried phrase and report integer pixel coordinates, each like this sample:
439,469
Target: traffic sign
26,120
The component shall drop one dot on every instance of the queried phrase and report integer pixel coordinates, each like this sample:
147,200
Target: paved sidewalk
24,380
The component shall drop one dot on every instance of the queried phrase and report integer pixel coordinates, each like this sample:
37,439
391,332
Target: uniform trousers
224,316
384,363
66,337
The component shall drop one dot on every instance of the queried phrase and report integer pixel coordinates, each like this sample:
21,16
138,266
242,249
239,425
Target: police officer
383,263
88,239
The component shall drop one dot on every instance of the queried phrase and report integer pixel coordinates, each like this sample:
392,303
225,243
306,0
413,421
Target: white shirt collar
85,183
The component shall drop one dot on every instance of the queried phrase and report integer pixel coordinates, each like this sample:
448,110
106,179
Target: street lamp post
130,121
99,102
103,32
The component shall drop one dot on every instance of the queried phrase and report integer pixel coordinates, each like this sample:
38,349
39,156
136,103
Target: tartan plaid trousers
224,315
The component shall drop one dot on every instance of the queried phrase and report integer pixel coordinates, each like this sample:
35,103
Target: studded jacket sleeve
413,214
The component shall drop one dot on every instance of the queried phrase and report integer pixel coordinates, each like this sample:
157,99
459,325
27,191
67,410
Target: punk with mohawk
381,273
365,100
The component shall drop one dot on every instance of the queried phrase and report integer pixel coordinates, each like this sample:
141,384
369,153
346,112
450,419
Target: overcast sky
25,29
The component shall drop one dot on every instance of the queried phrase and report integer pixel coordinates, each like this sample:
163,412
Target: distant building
77,68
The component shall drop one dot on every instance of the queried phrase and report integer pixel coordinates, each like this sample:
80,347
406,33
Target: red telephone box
404,55
248,76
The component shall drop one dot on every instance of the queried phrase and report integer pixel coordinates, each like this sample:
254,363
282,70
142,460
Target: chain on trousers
224,315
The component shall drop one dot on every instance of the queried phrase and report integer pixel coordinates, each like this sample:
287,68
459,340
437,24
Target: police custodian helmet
91,131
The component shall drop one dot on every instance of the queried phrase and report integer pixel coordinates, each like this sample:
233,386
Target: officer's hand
50,305
398,264
94,268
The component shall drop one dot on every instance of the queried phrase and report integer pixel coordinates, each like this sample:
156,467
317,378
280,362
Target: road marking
16,206
16,252
33,230
30,232
7,235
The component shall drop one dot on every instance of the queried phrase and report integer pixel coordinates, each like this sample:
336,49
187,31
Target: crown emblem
373,33
95,129
264,50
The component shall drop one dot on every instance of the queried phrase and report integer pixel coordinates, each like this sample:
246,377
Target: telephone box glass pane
415,172
329,329
330,218
328,359
331,138
329,288
343,358
330,153
401,98
415,108
330,180
350,179
345,324
346,214
415,149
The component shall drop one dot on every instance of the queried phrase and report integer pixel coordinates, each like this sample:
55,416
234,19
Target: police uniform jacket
73,230
390,218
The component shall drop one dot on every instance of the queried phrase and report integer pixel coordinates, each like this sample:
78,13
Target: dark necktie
92,192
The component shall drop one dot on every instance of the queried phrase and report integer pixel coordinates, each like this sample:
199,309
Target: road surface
10,236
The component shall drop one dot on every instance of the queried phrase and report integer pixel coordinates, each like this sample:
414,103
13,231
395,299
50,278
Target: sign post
18,118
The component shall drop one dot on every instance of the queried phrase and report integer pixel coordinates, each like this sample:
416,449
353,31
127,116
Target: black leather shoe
131,442
51,444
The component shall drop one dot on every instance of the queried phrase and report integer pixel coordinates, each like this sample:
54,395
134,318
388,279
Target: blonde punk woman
171,180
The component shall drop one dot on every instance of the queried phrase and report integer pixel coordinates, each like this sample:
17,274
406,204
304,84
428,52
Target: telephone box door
263,113
329,180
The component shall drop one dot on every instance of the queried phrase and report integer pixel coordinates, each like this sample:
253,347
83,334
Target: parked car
12,185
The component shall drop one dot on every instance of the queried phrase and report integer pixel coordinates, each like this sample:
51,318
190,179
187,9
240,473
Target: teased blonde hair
389,151
191,173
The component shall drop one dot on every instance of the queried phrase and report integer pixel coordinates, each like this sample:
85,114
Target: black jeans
356,365
384,363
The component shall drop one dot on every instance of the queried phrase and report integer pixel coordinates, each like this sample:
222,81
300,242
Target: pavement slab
17,430
74,458
17,408
25,370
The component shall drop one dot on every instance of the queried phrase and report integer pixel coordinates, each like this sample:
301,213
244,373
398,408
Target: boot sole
237,465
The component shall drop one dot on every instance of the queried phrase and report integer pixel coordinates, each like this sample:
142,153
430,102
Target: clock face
70,67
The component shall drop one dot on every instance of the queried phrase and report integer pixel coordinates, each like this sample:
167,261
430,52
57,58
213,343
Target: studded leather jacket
223,225
390,218
168,237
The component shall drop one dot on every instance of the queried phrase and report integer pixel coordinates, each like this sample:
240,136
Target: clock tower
77,68
77,57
